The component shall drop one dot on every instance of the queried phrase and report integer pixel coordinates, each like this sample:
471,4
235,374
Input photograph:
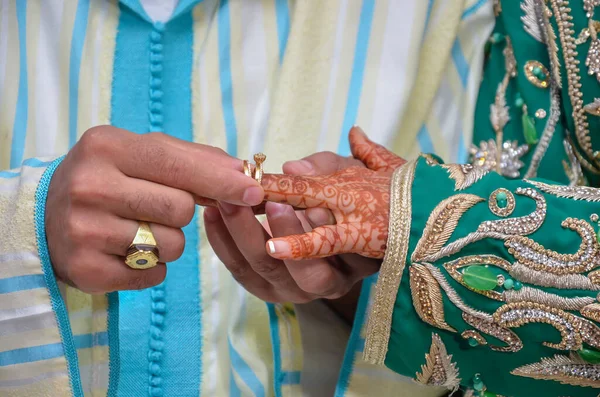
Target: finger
250,238
226,249
322,242
141,200
322,163
374,156
121,233
198,169
101,273
319,217
297,191
314,276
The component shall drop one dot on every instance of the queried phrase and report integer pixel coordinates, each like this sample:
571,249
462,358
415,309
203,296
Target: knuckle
266,267
238,269
140,282
96,140
320,284
76,229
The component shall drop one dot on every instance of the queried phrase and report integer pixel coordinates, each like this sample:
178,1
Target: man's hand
113,178
238,239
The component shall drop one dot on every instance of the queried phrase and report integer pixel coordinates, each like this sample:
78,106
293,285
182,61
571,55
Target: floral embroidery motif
530,20
439,370
571,192
465,175
427,297
569,370
441,224
485,156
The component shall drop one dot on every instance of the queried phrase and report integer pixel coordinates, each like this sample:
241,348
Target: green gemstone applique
502,199
529,131
480,278
589,355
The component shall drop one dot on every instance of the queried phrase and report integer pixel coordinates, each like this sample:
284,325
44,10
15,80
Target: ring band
257,172
247,169
143,252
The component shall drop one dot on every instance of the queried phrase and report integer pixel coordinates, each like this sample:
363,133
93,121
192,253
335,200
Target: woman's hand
357,197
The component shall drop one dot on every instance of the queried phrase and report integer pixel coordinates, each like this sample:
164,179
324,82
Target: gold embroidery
465,175
427,297
521,225
574,330
569,370
441,224
513,342
528,294
530,20
592,312
484,156
595,277
593,108
573,166
429,159
589,5
510,203
468,334
572,192
533,255
439,370
561,12
529,68
390,275
453,266
544,279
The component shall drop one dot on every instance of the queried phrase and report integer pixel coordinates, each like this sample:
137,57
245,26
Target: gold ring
143,251
257,173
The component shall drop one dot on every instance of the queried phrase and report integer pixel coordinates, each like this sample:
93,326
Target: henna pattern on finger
359,200
373,155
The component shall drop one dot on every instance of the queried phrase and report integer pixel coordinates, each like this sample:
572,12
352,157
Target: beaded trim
510,203
472,334
571,192
427,297
453,266
512,340
591,311
392,268
569,370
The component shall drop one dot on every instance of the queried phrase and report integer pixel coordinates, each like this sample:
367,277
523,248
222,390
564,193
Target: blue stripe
245,372
77,41
21,283
360,345
358,69
355,338
425,143
9,174
291,378
276,342
234,389
428,15
282,11
53,350
36,163
225,77
20,125
473,9
60,309
463,155
462,66
114,360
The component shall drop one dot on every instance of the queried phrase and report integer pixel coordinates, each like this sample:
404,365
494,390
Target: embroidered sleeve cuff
489,284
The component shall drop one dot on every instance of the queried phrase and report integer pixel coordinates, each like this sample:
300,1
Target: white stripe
97,56
254,57
48,77
12,185
337,53
18,256
94,376
397,71
28,323
11,314
214,315
3,44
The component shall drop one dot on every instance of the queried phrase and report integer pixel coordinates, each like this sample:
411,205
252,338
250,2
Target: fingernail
278,247
275,210
253,196
228,209
211,214
300,167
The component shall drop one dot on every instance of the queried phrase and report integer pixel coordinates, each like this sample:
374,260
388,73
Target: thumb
373,155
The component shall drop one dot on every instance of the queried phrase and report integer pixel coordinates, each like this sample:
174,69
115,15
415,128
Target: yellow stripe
31,338
11,88
58,386
86,76
271,45
33,34
373,66
20,267
33,369
93,355
109,29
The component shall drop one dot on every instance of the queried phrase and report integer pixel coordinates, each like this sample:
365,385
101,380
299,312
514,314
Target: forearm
469,264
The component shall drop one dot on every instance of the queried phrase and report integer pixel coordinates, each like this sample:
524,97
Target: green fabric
411,338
